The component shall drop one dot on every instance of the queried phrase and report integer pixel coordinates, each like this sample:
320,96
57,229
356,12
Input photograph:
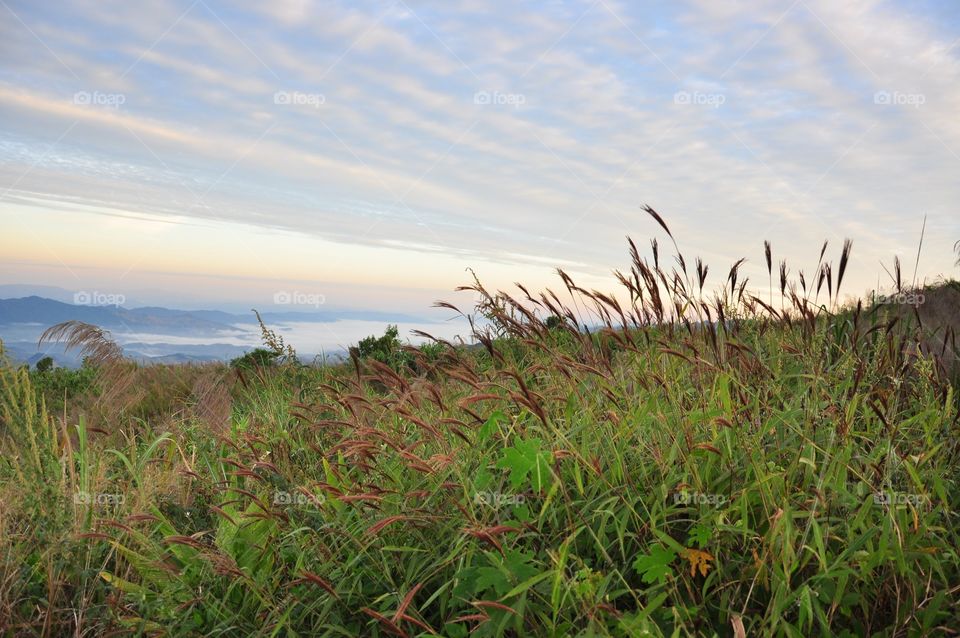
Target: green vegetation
750,470
255,359
44,365
387,349
61,385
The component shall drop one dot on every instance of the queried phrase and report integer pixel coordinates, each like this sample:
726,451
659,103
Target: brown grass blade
377,527
406,602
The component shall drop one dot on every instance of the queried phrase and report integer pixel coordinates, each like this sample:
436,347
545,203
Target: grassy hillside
755,469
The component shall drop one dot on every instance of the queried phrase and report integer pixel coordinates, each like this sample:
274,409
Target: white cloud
796,151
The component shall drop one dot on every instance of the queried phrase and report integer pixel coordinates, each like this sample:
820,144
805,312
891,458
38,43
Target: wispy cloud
520,134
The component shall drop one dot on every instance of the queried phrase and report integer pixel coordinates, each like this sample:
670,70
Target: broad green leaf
699,534
655,566
525,459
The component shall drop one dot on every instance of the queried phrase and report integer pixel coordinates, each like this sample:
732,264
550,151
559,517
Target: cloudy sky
204,152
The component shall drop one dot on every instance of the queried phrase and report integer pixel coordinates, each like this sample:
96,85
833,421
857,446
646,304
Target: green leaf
525,459
490,426
699,534
655,566
483,479
518,564
522,513
490,578
124,585
527,584
455,630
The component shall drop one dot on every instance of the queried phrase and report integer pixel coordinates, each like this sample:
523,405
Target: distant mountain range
174,335
27,352
47,312
41,310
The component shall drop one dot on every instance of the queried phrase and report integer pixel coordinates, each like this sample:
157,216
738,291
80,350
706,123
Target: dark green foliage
387,349
58,385
553,322
255,360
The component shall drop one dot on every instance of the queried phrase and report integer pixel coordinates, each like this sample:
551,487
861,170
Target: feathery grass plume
823,251
93,343
683,264
659,219
956,249
732,276
28,440
114,372
211,401
274,342
663,225
844,258
821,276
634,253
828,268
768,255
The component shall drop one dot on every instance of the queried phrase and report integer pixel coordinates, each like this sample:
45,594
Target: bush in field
61,385
255,360
553,322
387,349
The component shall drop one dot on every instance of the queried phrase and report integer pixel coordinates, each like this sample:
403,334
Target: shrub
387,349
255,360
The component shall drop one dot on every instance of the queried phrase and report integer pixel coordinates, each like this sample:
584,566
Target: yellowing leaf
697,559
738,630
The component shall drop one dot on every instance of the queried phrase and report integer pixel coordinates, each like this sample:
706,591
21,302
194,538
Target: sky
199,153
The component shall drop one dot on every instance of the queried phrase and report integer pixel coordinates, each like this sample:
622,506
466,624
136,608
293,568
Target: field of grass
759,468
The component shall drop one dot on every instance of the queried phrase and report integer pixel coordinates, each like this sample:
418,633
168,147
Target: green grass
792,472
